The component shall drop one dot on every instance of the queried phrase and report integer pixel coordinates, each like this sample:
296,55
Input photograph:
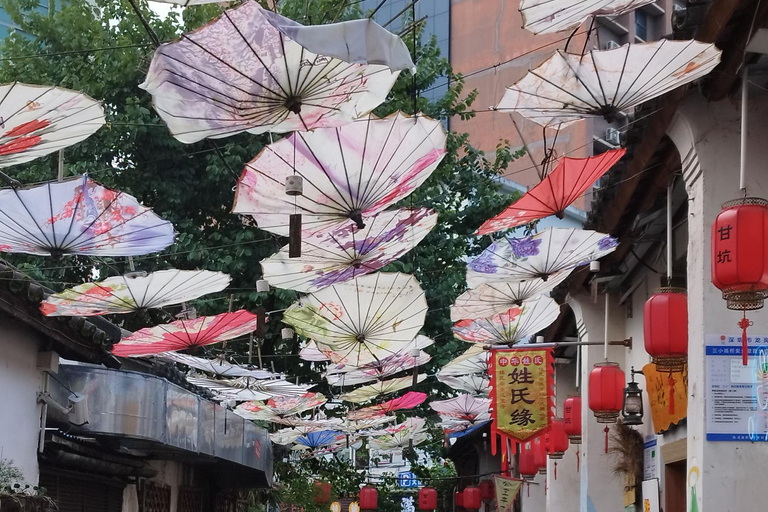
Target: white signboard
651,459
737,395
651,496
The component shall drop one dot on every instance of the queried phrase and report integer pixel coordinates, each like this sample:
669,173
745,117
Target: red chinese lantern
369,498
472,500
740,257
557,439
572,418
665,328
539,455
606,391
458,499
321,492
528,467
428,498
486,490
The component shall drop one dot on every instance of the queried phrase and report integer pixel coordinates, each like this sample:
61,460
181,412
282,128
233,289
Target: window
641,25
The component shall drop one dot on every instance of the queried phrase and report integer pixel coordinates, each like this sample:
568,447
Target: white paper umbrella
546,16
399,440
511,326
79,216
367,318
282,410
345,375
245,388
347,252
475,384
133,292
301,426
363,358
463,407
284,436
254,70
538,256
492,298
568,87
364,424
412,425
349,173
311,353
473,360
384,387
216,366
36,120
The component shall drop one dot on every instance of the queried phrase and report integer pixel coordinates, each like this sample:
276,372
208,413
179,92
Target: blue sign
408,480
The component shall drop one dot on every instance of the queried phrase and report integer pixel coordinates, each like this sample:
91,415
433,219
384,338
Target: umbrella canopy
320,438
546,16
566,183
283,410
346,375
473,360
246,388
37,120
511,326
349,361
349,173
401,435
79,216
367,318
475,384
569,86
301,426
284,436
408,401
217,366
384,387
412,425
538,256
489,299
186,334
311,353
360,425
133,292
456,428
343,254
463,407
254,70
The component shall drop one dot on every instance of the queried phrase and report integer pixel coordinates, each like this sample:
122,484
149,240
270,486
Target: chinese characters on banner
506,492
521,393
667,395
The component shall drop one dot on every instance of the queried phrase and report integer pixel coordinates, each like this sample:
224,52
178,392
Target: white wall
20,380
561,491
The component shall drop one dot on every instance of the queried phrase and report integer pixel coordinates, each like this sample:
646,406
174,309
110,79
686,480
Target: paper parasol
349,173
185,334
245,388
37,120
473,360
217,366
605,83
367,318
283,410
254,70
133,292
320,438
547,16
341,255
411,431
474,384
384,387
346,375
511,326
463,407
311,353
538,256
79,216
408,401
566,183
492,298
361,425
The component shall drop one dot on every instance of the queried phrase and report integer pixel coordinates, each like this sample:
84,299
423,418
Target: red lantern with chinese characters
321,492
606,391
665,328
458,499
740,257
539,454
428,498
369,498
472,500
486,490
572,418
557,439
528,467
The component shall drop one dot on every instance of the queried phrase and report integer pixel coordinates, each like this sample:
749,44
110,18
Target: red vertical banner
522,393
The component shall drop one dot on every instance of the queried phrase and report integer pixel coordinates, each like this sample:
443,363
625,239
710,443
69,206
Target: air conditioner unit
611,45
612,136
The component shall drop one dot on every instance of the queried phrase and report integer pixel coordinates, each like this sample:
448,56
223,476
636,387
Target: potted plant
17,496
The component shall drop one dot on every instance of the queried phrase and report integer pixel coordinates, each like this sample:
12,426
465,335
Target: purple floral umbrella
538,256
343,254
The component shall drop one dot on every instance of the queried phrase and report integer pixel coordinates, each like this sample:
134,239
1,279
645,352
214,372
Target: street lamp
632,411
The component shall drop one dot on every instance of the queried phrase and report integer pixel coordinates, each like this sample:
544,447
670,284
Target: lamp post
632,411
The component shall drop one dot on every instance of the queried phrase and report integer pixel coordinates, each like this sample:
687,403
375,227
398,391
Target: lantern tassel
671,382
555,470
606,430
578,460
528,488
744,323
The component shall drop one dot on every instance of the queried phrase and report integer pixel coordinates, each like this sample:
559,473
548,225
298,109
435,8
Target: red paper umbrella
183,334
408,401
570,179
